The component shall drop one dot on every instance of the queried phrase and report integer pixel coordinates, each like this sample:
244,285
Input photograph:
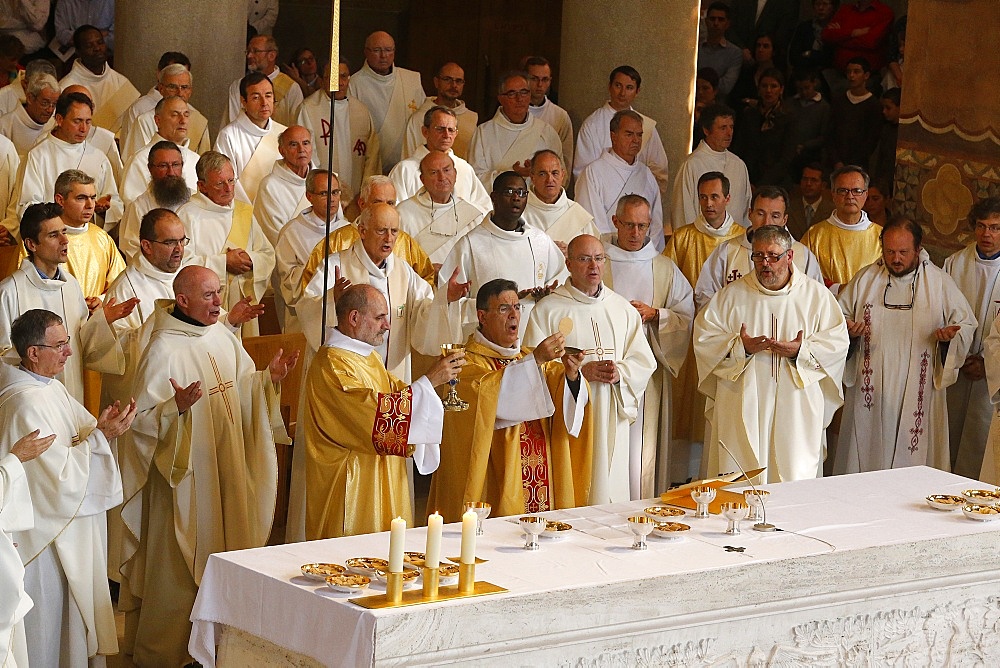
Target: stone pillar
659,40
948,153
213,35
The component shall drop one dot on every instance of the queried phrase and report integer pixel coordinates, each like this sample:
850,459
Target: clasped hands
756,344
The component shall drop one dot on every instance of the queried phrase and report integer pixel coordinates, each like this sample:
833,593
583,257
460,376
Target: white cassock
391,99
18,126
730,262
609,178
499,144
280,197
72,485
252,149
213,229
9,163
128,233
969,407
406,177
16,514
648,276
104,141
287,98
50,158
526,256
137,176
609,317
112,93
140,279
12,95
895,410
92,338
143,103
291,252
437,227
684,201
355,141
145,127
595,138
467,122
563,220
771,411
559,119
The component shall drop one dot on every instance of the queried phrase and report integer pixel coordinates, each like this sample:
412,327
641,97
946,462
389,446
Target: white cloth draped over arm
104,486
426,425
523,394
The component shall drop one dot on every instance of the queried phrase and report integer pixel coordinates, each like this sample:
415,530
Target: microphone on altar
762,525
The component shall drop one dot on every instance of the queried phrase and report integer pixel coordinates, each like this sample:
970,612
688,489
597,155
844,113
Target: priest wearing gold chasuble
362,423
524,445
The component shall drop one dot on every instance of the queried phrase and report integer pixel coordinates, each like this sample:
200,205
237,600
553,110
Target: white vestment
684,203
559,119
526,256
140,279
252,149
145,127
562,220
104,141
437,227
111,92
16,514
72,485
969,406
390,98
128,233
769,410
406,177
22,130
142,104
649,277
280,197
895,411
9,163
467,122
12,95
611,319
355,141
730,262
606,180
137,176
284,104
499,144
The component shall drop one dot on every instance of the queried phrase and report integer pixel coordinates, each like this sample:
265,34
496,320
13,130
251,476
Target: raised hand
115,311
114,421
28,447
185,397
281,364
446,368
244,311
457,290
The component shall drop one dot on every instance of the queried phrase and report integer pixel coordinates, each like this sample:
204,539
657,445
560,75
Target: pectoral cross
222,388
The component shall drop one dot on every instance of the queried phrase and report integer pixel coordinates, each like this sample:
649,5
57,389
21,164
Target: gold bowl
321,572
945,501
348,584
982,513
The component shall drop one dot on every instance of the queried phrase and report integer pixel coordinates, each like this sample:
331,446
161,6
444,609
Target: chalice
641,526
532,526
735,513
451,401
703,495
482,511
755,497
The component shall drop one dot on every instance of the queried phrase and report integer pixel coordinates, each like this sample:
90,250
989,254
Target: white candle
397,535
469,521
432,553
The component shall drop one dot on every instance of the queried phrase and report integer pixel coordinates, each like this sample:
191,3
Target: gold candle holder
394,588
430,578
466,578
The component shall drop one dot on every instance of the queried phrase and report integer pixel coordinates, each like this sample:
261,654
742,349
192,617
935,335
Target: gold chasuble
529,467
843,250
93,259
406,249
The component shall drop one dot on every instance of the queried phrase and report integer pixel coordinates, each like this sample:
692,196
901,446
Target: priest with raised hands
771,349
524,444
362,423
618,360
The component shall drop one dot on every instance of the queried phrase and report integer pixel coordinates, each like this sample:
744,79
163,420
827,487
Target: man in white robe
976,271
390,92
507,141
619,172
9,164
911,329
27,122
262,56
503,246
435,216
624,83
101,138
541,107
168,188
112,92
251,141
355,141
771,349
549,208
449,82
198,470
172,117
147,101
655,286
731,261
72,621
174,79
619,361
711,155
282,193
439,129
225,236
15,94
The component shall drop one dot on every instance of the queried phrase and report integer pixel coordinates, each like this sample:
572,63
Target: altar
861,572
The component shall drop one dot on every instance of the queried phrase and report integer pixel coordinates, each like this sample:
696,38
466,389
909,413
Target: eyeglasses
505,309
382,51
510,192
259,51
173,243
899,307
452,80
992,229
59,347
168,165
440,129
844,192
767,258
511,94
634,227
587,259
176,87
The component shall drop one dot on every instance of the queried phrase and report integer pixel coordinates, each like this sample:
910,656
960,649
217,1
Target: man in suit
812,203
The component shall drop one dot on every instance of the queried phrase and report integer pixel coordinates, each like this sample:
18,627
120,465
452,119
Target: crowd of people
621,329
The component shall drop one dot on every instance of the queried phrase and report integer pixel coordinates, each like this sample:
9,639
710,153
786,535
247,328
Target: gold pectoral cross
222,388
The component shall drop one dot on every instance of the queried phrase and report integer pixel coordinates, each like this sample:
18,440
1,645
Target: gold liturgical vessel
451,401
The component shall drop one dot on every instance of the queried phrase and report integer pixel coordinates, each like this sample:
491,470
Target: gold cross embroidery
221,388
598,349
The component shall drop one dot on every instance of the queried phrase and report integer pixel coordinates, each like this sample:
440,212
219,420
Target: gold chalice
451,401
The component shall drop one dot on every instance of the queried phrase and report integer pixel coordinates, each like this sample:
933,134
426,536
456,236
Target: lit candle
469,521
432,553
397,535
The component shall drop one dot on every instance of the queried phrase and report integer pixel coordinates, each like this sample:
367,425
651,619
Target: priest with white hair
282,193
549,208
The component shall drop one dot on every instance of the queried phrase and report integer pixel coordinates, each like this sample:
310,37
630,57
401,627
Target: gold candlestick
430,578
466,578
394,588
